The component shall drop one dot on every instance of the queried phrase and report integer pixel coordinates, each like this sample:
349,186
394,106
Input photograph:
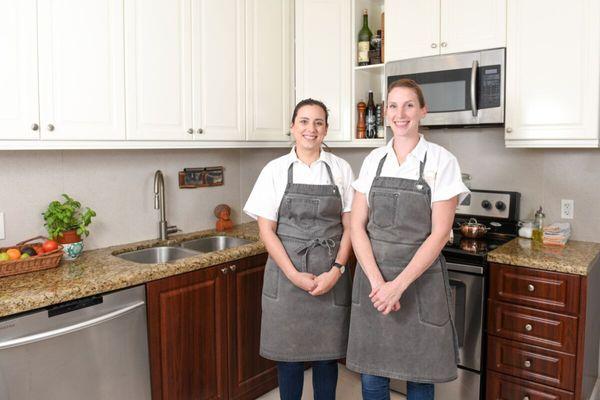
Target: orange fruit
14,254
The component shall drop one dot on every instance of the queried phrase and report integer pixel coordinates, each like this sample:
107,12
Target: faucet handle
173,229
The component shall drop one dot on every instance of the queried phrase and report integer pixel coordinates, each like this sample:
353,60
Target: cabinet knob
288,134
509,130
528,327
233,268
190,131
527,364
525,397
444,44
530,287
35,127
200,131
433,45
224,270
50,127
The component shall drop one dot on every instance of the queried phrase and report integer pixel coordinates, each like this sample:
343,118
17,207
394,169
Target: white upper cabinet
552,82
218,69
432,27
324,59
184,63
269,78
81,70
19,115
158,48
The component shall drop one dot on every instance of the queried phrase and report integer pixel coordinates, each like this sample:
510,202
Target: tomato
49,245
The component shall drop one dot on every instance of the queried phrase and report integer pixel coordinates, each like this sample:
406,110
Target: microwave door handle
474,87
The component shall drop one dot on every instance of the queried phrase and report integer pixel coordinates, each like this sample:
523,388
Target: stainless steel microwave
462,89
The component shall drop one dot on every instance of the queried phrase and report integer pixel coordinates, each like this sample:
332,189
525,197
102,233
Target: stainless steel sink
157,255
214,243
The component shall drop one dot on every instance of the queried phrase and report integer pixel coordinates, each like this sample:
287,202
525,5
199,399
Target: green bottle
364,40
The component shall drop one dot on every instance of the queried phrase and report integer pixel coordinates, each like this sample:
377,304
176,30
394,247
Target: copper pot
472,245
473,229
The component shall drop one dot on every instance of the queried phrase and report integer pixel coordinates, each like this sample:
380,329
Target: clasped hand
316,285
386,297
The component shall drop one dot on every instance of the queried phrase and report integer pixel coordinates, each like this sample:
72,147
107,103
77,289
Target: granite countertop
98,271
574,258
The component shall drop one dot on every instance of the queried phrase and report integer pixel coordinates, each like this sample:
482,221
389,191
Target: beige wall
542,176
118,185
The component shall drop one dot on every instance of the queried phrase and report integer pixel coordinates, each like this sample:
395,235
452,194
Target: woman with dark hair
402,215
302,202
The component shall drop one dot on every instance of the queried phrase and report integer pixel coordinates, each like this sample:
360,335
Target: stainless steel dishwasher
95,348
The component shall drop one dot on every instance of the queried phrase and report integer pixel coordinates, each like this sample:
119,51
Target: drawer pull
530,287
224,270
526,398
527,364
528,327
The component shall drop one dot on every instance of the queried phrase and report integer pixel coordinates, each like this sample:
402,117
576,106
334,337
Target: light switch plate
1,225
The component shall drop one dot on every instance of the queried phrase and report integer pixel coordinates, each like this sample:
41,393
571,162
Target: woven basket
37,263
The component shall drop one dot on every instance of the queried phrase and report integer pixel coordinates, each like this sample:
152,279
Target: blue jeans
378,388
291,379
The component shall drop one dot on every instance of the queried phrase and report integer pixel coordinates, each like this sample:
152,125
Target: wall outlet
567,209
1,225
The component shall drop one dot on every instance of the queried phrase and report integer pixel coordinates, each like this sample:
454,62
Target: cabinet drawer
551,291
529,325
531,363
504,387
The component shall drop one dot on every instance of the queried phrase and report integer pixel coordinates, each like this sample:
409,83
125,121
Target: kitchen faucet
160,203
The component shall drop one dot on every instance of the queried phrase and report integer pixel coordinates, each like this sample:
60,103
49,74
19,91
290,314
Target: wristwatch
340,266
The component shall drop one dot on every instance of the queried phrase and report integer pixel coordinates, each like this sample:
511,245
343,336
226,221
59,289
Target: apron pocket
431,297
303,211
271,279
341,291
383,209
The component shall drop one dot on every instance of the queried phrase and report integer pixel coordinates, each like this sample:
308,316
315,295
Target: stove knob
500,206
486,204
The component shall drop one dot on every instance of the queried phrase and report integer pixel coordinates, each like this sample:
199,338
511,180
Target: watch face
342,269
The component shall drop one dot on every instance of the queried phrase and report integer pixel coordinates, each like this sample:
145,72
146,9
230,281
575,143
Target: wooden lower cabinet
542,334
204,332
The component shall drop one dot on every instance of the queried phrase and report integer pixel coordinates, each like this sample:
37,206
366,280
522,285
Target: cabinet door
187,336
553,73
323,59
18,70
81,69
412,29
159,69
468,25
269,51
218,69
250,375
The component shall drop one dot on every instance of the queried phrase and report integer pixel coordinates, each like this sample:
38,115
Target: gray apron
418,342
297,326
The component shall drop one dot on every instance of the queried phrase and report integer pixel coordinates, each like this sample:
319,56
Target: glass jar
526,228
537,233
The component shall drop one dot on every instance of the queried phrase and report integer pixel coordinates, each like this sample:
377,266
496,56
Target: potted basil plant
67,223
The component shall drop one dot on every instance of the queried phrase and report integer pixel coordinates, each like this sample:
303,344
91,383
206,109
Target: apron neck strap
291,173
422,166
380,166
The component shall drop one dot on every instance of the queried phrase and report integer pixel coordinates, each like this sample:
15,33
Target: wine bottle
371,118
364,40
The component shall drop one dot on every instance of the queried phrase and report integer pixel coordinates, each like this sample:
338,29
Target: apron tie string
311,244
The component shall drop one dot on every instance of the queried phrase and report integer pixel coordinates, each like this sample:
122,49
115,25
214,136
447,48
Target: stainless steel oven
462,89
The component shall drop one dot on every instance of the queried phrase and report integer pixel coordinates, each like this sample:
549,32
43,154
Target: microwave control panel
489,86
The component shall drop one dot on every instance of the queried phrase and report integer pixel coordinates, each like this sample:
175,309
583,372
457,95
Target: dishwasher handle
70,328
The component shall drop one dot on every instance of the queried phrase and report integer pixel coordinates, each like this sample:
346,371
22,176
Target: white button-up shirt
270,186
441,172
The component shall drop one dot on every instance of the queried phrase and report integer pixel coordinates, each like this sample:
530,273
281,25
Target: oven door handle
474,87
